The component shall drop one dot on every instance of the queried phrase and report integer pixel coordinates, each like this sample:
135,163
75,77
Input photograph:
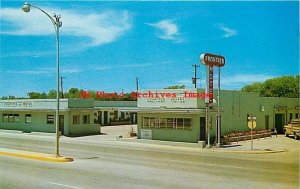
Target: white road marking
68,186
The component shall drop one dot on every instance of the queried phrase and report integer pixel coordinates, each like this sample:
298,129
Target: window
10,117
291,116
86,119
115,115
76,119
50,119
170,123
297,115
28,118
5,118
96,118
187,123
16,118
123,115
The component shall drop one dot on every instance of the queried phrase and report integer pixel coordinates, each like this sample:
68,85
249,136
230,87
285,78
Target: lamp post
57,24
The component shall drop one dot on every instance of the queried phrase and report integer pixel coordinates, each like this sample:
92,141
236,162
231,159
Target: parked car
293,128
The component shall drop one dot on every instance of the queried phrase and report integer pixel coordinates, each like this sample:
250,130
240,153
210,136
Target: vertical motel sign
211,60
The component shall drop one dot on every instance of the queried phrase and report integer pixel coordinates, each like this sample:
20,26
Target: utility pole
61,86
194,79
137,84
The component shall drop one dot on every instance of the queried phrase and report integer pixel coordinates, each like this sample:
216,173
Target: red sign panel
211,84
212,60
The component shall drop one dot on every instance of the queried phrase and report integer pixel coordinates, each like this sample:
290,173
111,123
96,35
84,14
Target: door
267,117
202,129
105,117
279,122
99,117
61,124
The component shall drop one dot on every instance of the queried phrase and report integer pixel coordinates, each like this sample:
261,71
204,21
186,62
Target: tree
254,87
37,95
175,87
286,86
73,93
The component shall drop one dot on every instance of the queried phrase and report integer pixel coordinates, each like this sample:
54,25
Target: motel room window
76,119
28,118
16,118
10,117
4,117
50,119
96,118
115,115
86,119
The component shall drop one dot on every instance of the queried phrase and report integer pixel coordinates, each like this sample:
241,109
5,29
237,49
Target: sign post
251,125
210,60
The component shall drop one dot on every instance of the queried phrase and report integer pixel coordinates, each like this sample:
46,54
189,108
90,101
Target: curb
250,151
37,156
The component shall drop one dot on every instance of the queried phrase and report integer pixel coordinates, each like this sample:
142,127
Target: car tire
285,133
296,137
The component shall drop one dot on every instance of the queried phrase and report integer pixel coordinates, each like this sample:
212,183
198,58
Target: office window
28,118
50,119
170,123
16,118
76,119
5,118
86,119
179,123
162,122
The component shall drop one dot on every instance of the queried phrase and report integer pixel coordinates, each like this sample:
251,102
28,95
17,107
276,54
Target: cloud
228,32
44,71
243,79
99,27
230,82
168,30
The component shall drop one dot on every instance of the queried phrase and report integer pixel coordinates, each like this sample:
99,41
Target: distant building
165,116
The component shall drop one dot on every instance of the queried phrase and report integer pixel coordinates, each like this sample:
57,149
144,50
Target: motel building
76,116
163,115
109,113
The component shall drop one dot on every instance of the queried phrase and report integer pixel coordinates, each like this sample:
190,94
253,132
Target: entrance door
61,124
279,122
202,129
105,117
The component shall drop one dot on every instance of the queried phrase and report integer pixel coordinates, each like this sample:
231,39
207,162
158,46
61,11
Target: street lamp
57,24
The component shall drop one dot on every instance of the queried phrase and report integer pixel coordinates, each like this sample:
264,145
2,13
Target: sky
105,46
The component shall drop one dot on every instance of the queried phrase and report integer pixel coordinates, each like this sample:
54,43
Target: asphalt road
113,164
